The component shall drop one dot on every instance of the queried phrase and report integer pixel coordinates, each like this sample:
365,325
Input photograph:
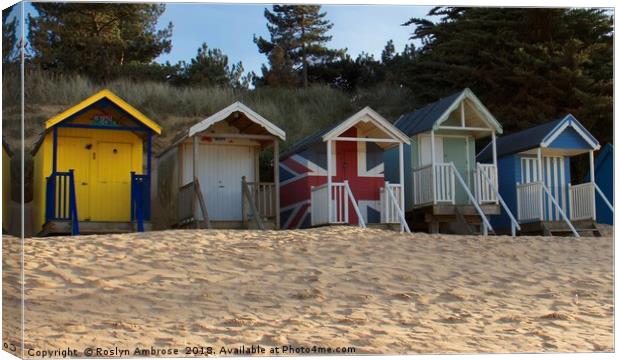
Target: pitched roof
104,94
337,129
532,138
424,119
237,107
431,115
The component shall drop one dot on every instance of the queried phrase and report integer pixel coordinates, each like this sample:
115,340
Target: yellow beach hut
92,169
7,153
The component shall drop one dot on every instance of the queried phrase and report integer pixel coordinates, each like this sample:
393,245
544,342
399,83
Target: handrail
61,203
422,167
514,224
140,199
202,203
557,206
357,210
528,184
600,192
246,192
403,222
75,224
319,187
487,225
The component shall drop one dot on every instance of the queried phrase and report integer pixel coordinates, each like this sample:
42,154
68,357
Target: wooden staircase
452,219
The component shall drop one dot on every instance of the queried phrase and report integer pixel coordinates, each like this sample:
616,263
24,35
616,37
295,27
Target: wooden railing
514,224
140,199
484,189
423,185
433,183
530,201
60,199
582,201
320,204
264,196
391,211
444,183
389,208
190,197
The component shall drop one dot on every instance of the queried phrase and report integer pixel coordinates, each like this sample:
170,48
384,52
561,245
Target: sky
231,27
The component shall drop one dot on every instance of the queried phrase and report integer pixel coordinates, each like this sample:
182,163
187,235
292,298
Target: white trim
226,112
464,128
376,140
566,122
294,178
377,119
315,169
329,181
488,118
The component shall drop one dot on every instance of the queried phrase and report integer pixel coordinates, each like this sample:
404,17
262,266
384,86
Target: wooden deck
59,227
560,228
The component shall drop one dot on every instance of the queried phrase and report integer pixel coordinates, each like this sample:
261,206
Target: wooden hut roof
250,123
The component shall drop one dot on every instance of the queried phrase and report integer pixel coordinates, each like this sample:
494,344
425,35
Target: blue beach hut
535,178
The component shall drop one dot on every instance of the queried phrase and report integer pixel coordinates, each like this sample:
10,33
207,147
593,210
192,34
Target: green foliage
210,68
299,112
527,65
93,39
300,31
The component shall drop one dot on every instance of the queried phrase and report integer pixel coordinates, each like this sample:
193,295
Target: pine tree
527,65
301,32
280,72
94,38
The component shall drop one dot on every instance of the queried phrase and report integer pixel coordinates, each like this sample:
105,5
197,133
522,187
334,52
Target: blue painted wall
570,139
604,178
509,173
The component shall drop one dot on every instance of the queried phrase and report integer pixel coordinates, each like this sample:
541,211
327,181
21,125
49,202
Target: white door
425,150
220,168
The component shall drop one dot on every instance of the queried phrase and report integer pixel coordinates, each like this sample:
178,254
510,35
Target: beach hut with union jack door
336,176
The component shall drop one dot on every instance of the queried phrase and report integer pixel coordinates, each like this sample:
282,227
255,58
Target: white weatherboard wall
220,168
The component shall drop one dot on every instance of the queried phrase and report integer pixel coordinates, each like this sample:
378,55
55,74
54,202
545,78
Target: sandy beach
377,291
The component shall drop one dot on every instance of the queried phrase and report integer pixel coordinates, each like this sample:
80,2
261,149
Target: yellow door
113,184
76,153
